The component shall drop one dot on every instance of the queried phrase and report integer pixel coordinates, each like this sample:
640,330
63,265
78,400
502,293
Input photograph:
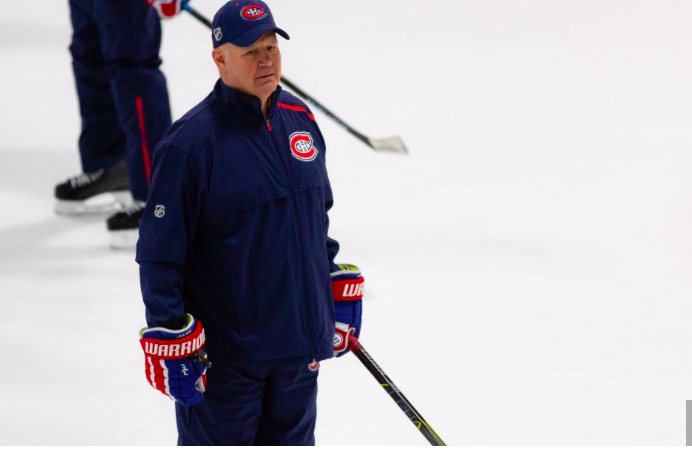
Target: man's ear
218,57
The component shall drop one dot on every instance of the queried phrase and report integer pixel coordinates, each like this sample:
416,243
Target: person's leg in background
130,38
101,141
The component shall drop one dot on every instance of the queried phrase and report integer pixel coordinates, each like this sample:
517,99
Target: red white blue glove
347,290
167,9
175,362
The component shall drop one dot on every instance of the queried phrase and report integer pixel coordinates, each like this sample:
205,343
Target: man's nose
265,59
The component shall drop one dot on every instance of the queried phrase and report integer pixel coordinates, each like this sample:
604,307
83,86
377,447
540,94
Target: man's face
255,70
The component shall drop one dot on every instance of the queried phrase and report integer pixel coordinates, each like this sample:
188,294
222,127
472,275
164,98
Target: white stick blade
393,144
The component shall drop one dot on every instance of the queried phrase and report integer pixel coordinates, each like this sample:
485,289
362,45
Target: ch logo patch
253,12
218,34
302,147
160,211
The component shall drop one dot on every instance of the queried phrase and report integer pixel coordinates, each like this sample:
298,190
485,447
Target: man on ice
235,263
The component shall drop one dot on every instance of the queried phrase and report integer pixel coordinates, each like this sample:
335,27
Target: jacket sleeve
176,195
332,244
162,285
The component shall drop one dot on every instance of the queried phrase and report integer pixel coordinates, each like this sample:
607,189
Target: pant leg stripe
143,134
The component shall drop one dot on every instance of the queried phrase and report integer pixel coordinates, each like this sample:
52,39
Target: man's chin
268,87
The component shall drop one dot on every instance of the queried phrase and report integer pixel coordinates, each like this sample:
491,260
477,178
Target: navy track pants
248,406
123,98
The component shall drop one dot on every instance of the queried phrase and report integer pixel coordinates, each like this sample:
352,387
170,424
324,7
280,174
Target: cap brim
248,37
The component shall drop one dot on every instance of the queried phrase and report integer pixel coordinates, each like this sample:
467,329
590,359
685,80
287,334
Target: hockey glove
167,9
175,361
347,288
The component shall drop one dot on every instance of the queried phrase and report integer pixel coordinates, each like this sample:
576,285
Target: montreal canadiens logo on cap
302,147
253,12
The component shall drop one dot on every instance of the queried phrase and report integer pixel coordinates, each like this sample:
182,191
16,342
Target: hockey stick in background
398,397
394,144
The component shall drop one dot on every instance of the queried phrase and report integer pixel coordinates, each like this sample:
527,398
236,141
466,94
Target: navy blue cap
242,22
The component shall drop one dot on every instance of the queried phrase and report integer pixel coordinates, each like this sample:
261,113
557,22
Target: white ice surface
529,265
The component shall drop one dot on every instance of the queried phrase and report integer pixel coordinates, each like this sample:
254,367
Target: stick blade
394,144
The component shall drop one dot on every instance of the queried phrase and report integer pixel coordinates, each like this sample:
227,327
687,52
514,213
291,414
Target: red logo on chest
302,147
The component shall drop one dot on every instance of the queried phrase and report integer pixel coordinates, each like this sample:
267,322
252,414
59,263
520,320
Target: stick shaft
326,111
392,390
196,15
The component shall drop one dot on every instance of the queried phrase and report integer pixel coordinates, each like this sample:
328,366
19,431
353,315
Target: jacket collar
244,105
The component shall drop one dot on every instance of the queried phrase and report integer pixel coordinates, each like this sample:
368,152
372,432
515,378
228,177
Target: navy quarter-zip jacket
235,230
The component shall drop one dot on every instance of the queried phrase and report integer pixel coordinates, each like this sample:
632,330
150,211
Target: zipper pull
269,126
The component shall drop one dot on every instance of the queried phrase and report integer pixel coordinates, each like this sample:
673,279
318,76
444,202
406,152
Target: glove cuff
191,340
346,269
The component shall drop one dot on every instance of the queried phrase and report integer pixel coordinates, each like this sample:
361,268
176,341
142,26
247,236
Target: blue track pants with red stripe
252,406
122,93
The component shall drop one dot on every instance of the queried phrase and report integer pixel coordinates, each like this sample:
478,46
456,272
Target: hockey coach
236,266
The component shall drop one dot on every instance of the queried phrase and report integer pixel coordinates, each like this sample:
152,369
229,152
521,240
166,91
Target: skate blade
102,204
124,239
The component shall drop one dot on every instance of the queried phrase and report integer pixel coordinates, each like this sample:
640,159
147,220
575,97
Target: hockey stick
196,15
398,397
394,144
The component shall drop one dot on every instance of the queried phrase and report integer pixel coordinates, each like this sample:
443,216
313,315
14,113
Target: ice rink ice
528,265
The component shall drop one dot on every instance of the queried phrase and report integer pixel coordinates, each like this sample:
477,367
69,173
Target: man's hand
167,9
175,362
347,289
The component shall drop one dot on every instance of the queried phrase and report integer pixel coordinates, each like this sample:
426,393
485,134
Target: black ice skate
123,227
103,191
